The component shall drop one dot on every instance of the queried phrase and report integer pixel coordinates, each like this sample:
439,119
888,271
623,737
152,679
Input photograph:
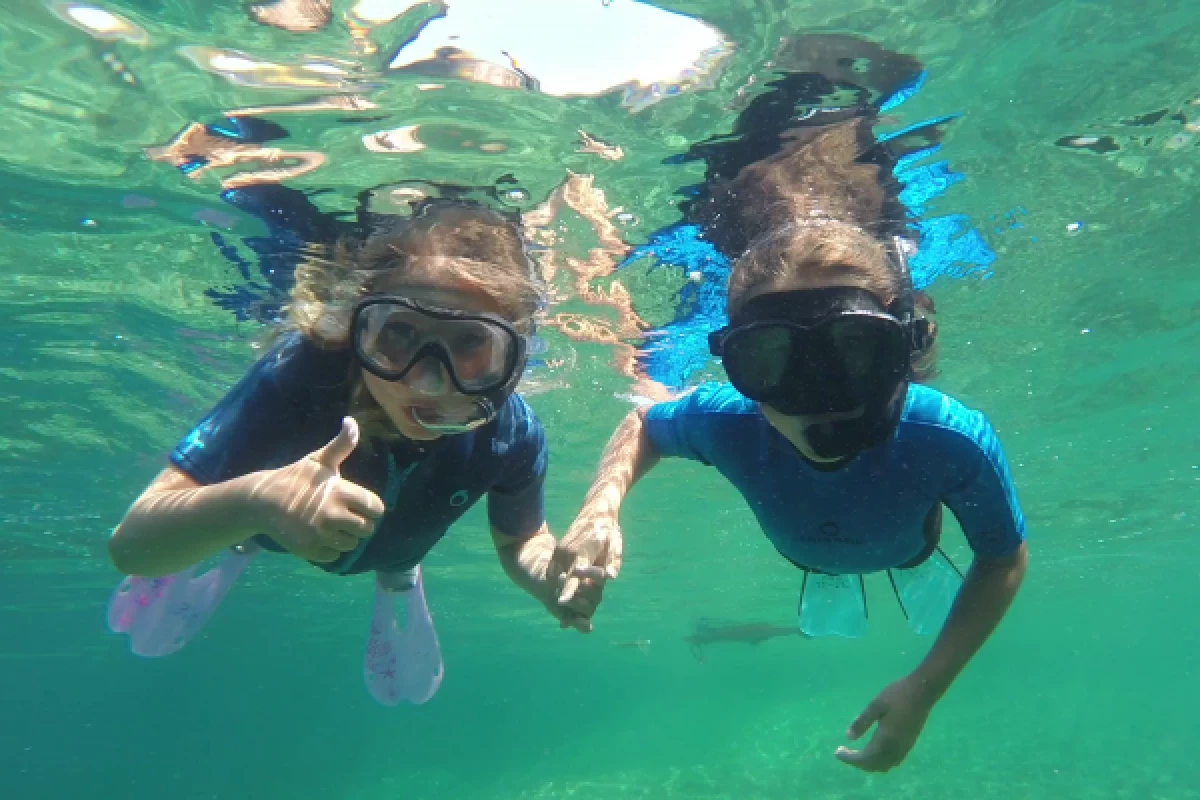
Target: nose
428,377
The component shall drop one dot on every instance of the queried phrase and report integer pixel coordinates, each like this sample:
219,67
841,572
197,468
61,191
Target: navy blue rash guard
870,514
292,402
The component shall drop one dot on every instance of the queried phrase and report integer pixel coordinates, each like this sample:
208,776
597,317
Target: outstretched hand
899,712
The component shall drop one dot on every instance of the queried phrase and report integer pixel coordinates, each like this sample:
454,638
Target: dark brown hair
822,205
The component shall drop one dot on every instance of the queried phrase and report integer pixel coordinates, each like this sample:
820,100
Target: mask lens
391,338
479,352
834,366
757,359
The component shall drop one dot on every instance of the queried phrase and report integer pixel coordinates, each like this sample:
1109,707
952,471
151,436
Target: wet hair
443,242
824,205
456,243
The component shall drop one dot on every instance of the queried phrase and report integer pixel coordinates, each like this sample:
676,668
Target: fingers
569,588
863,722
877,756
614,554
361,501
580,570
855,758
569,619
590,573
322,555
587,599
341,541
346,523
340,447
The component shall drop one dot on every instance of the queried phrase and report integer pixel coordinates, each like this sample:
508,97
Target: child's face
796,428
427,387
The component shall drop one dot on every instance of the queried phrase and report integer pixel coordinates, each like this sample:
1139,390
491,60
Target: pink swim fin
161,615
402,664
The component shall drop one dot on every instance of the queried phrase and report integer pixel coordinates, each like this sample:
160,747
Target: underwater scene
595,399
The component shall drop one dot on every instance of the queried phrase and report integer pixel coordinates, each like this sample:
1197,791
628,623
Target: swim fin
927,591
402,664
161,615
833,605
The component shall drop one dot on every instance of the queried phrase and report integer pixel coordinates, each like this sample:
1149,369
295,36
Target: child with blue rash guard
845,461
383,412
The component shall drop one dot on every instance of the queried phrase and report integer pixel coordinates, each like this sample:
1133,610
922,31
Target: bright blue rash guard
292,403
870,514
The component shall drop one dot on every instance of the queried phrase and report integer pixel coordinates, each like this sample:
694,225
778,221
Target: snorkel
485,407
842,435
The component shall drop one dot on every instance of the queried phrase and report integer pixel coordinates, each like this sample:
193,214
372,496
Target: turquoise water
1080,348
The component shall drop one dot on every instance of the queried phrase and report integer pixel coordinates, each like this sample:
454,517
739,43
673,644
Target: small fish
642,645
751,633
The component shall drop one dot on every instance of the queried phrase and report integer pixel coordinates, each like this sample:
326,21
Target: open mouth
440,420
834,416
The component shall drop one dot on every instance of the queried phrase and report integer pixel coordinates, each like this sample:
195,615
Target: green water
1081,349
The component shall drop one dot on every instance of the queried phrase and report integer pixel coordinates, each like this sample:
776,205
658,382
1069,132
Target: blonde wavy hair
452,244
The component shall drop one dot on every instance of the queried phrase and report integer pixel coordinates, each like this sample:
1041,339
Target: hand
315,513
527,562
577,613
588,556
901,710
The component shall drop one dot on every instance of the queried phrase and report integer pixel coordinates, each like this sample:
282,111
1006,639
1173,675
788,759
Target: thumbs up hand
315,513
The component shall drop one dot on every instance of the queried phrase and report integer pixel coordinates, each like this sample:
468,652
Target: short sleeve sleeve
985,501
685,428
253,422
516,501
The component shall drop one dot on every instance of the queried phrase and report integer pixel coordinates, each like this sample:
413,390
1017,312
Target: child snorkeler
382,413
844,459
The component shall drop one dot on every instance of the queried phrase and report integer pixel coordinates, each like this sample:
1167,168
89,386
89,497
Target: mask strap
902,306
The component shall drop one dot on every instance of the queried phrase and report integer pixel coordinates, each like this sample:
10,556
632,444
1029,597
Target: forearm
628,456
985,596
169,529
525,560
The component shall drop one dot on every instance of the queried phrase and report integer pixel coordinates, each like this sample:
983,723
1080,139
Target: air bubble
515,196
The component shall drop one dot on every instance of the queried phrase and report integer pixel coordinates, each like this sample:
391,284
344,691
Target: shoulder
515,431
707,399
948,423
294,363
928,408
704,424
516,420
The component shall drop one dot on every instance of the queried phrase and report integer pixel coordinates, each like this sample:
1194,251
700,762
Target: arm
526,562
305,506
592,550
985,596
629,455
176,522
902,708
